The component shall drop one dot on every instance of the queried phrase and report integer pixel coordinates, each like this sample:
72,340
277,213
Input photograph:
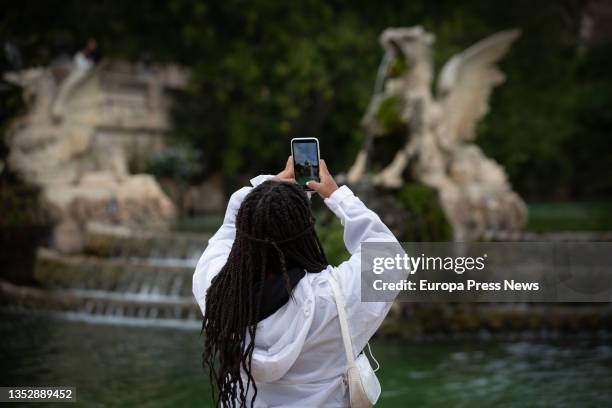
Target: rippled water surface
155,367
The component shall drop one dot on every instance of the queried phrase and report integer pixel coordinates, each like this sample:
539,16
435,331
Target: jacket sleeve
360,225
219,245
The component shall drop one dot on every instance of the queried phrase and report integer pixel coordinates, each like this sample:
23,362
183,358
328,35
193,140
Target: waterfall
381,72
123,277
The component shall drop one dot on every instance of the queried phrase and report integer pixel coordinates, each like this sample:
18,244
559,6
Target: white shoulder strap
346,337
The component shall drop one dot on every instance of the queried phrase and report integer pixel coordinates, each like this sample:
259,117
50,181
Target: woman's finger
289,166
287,172
314,185
323,172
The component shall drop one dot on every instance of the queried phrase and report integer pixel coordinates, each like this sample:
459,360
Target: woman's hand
287,174
327,185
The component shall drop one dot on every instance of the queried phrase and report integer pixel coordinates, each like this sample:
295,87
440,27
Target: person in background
83,61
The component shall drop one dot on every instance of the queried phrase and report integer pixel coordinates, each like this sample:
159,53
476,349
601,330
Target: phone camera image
305,161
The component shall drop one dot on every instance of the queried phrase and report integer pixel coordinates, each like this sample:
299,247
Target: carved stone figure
83,126
439,151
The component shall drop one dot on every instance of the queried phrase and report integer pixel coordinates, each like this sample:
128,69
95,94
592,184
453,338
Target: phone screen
305,160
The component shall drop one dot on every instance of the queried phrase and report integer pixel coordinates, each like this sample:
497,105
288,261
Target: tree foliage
266,71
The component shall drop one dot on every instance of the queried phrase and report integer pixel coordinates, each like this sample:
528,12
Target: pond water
160,367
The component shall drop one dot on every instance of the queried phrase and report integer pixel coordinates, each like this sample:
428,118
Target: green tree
266,71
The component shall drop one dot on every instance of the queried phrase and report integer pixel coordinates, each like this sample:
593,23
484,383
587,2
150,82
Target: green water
154,367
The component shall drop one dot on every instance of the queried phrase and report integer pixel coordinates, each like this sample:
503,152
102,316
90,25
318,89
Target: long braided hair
274,231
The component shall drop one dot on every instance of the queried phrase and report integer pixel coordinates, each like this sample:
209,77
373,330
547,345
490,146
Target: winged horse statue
439,150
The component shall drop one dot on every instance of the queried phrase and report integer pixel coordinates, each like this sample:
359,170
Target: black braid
274,230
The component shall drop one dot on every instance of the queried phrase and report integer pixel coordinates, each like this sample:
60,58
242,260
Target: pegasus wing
466,81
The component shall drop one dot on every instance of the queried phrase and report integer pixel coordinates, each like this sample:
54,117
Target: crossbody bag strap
340,305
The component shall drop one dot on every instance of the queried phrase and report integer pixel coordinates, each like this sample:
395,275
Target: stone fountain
85,130
439,131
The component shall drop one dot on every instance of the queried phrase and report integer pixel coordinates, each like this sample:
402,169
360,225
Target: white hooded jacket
299,357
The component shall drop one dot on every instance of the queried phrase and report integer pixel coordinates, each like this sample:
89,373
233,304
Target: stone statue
83,125
439,152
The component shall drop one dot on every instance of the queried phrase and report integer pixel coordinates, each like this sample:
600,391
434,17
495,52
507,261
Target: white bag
364,388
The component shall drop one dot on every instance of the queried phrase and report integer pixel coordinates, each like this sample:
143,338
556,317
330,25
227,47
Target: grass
543,217
570,216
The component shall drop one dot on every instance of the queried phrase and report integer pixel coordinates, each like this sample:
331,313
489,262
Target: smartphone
306,158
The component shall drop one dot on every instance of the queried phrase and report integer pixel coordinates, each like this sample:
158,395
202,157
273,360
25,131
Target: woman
272,335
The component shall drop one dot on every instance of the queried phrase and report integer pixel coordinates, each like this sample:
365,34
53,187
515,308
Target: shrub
180,163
